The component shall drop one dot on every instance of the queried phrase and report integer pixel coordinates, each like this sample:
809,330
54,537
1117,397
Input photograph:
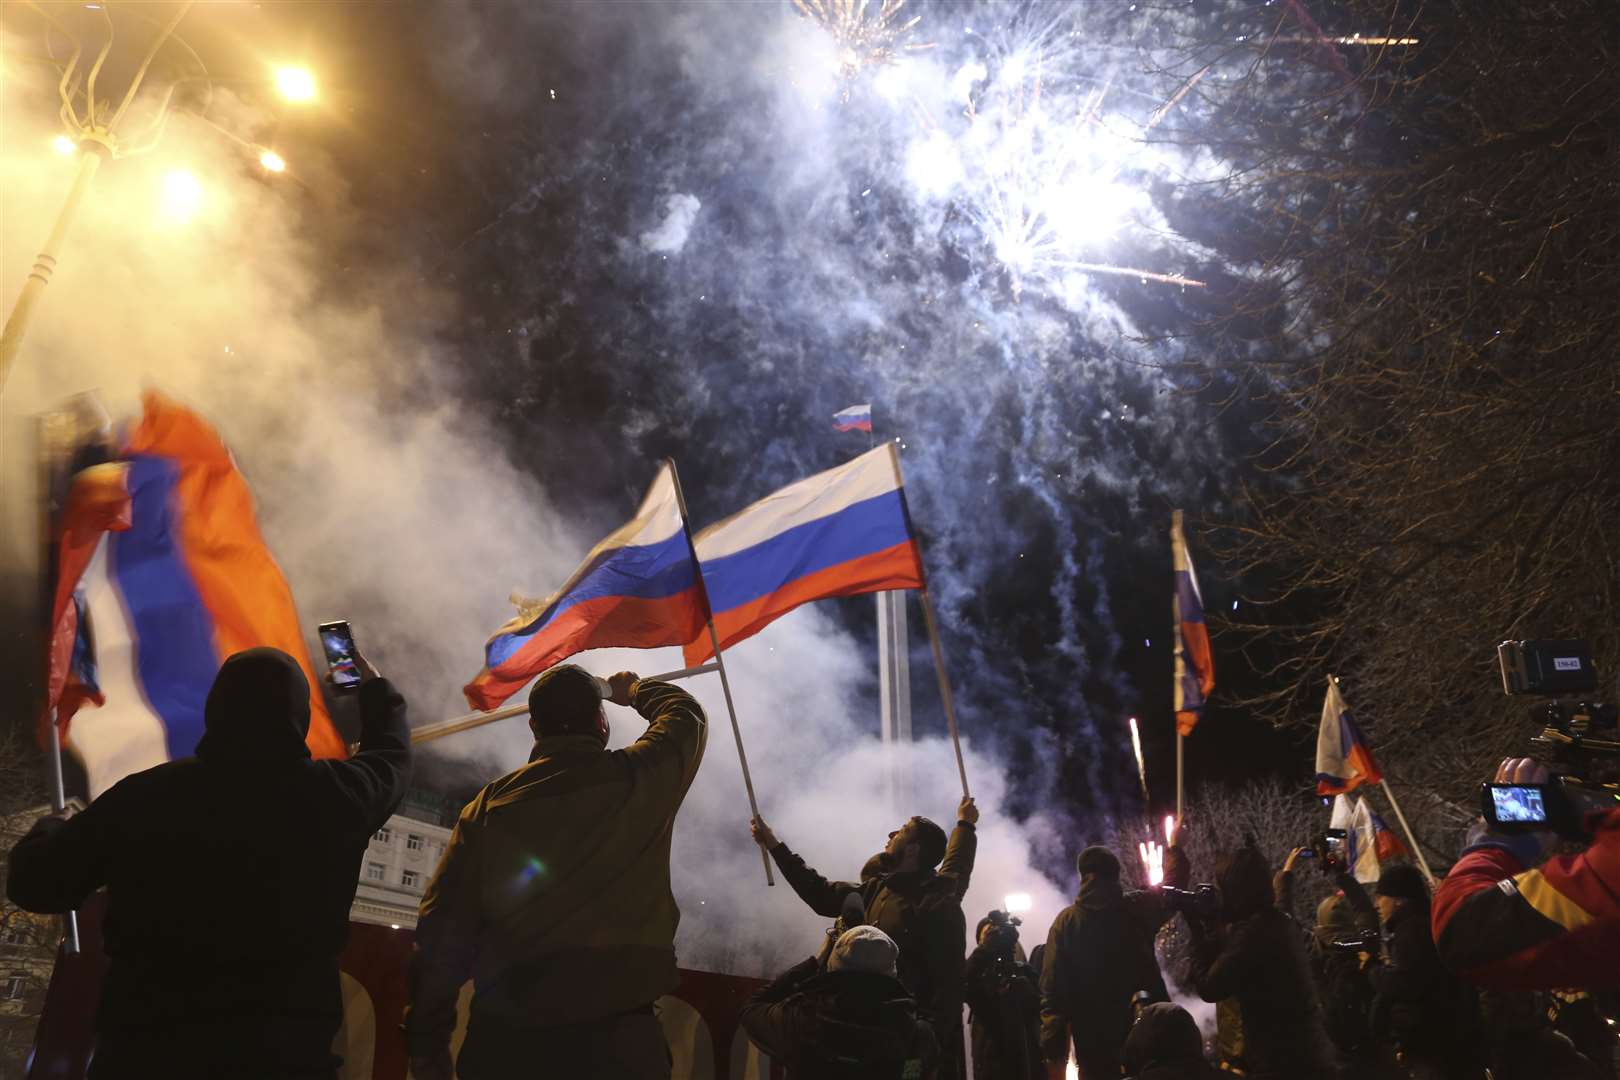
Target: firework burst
866,38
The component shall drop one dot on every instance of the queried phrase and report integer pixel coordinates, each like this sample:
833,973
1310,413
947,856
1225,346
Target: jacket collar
551,746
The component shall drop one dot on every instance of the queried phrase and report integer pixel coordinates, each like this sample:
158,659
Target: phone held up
337,640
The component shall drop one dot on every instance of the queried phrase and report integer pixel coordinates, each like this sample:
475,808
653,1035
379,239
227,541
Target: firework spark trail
1141,765
863,42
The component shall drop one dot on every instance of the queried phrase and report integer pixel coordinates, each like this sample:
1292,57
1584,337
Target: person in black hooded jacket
229,877
1255,958
853,1021
1165,1045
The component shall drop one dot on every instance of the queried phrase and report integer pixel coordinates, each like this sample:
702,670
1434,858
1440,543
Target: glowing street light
272,161
64,145
182,195
296,84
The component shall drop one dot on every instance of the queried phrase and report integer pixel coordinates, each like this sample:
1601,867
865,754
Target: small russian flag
854,418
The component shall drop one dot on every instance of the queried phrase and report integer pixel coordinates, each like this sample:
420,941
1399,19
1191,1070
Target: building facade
401,858
27,955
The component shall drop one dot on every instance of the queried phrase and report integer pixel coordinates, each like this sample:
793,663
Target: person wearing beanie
553,895
1099,954
1165,1044
853,1021
911,890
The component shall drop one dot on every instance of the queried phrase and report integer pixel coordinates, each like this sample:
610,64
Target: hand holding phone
346,668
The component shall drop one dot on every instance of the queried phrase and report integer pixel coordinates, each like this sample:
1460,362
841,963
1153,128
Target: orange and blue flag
842,532
637,589
162,573
1344,761
1195,663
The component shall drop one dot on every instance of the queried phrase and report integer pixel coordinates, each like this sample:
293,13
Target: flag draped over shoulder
637,589
161,574
1343,760
842,532
1195,664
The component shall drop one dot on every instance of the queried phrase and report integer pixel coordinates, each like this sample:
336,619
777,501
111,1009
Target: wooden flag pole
1417,852
719,662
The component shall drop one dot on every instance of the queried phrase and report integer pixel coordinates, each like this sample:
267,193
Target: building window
14,935
383,836
413,842
375,871
14,987
409,879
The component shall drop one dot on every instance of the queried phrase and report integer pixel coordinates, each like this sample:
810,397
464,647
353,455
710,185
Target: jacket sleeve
61,862
1221,965
1282,891
825,898
1355,894
668,753
959,856
374,780
446,939
772,1022
1509,928
1054,985
1400,974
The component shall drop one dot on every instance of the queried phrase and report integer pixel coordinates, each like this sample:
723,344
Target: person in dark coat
1255,958
1165,1044
853,1021
1421,1007
912,891
1004,994
229,878
1099,954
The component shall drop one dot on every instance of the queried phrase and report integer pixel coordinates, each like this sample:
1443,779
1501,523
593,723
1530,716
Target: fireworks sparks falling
865,38
1152,853
1141,765
1169,827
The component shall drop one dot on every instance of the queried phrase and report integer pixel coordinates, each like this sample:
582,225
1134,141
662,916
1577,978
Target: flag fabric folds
839,533
637,589
162,573
1364,848
854,418
1195,664
1343,760
1386,843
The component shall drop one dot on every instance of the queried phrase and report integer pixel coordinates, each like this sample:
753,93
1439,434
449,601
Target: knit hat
1097,859
1403,882
567,701
864,948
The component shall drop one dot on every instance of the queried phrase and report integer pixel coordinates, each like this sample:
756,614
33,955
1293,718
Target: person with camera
1506,919
911,890
553,895
1004,994
845,1016
1250,954
1099,954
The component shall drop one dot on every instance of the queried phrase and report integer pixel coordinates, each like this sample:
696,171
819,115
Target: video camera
1367,941
1200,901
1581,739
1003,926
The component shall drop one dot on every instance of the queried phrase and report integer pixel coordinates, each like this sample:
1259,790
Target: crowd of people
553,898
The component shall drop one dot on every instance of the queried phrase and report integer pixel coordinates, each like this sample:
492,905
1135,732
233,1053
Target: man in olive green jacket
554,897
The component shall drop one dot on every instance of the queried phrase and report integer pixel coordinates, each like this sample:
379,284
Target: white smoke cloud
680,211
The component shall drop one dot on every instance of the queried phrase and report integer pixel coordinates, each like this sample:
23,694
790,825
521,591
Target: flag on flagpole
1343,760
161,574
1385,841
1195,665
839,533
854,418
637,589
1364,854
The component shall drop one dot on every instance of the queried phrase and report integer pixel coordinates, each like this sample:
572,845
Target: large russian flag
1343,759
1195,665
162,574
839,533
638,589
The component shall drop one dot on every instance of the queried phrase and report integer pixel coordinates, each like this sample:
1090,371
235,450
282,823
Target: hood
1099,891
1245,883
257,711
1165,1035
862,1017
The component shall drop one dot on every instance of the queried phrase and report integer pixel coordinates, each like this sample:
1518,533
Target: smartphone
338,642
1517,804
1333,841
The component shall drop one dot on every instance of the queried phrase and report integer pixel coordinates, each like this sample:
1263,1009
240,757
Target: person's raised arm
963,846
669,751
823,897
375,778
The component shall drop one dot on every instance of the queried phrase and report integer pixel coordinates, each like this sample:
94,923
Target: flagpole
1176,645
719,661
932,623
1417,852
70,921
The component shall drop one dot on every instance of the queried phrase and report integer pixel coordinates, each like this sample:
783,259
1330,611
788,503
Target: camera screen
1515,803
338,644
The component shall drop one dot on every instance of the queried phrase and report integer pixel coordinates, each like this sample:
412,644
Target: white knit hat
864,948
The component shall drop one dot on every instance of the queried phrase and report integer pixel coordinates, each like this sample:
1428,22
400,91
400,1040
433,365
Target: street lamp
63,145
272,161
296,84
182,195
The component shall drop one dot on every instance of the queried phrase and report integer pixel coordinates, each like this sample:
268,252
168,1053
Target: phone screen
338,643
1518,802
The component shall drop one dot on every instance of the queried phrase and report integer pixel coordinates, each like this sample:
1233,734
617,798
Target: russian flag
161,574
1343,760
637,589
1195,665
854,418
1385,842
839,533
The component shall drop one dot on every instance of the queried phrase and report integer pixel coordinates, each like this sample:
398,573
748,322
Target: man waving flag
637,589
